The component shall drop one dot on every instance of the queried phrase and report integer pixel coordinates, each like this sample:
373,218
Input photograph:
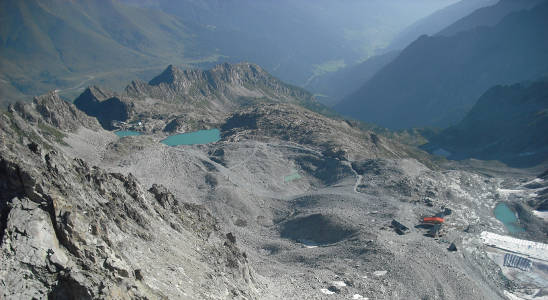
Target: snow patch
541,214
380,273
327,292
511,296
308,244
339,283
359,297
536,180
507,192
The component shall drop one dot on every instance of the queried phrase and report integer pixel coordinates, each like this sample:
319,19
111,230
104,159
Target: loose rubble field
327,235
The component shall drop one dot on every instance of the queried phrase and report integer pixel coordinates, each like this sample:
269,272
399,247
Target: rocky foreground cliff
70,230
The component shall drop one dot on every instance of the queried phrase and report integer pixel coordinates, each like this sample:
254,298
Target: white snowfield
327,292
339,283
523,247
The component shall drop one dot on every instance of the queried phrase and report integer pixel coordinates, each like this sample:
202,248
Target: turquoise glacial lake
194,138
504,214
293,176
124,133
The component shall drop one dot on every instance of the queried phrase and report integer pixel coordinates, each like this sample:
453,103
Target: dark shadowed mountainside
436,80
488,16
333,87
508,123
437,21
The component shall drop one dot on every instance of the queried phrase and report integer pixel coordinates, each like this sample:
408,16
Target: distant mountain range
66,45
436,80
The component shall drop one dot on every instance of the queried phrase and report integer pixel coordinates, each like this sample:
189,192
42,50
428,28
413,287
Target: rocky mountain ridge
52,110
104,105
333,138
224,85
176,98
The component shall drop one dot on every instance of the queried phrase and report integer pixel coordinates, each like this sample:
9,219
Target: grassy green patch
328,67
49,131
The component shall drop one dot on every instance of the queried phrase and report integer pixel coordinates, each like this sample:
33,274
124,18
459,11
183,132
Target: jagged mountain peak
97,93
204,96
169,75
52,110
106,106
224,72
225,85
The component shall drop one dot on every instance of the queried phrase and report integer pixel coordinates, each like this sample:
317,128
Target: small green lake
124,133
194,138
504,214
293,176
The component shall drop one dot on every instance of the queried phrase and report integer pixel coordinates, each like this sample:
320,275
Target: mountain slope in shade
49,44
104,105
437,21
508,123
461,16
333,87
488,16
436,80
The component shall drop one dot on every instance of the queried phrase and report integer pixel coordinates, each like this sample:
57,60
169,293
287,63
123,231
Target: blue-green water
124,133
504,214
293,176
194,138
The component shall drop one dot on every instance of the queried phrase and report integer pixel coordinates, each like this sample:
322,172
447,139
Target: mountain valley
257,149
